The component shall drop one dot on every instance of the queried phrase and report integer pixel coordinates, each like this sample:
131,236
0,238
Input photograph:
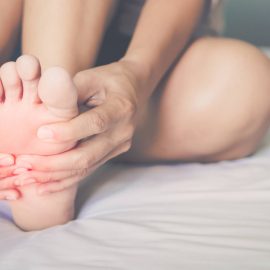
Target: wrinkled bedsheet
181,216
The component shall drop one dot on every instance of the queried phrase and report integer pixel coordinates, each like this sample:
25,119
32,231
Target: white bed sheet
183,216
162,217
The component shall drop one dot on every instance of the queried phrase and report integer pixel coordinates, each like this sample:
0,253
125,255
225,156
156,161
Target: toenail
6,161
44,133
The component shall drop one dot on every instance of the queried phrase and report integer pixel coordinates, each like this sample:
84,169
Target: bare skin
190,116
78,28
10,19
27,102
31,211
194,113
197,114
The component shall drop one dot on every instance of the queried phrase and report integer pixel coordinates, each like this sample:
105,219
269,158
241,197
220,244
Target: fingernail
23,165
44,133
20,171
11,197
6,161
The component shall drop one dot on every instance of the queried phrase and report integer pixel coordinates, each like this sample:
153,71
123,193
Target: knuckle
77,160
82,173
73,172
97,122
129,132
83,163
86,163
78,173
128,107
127,145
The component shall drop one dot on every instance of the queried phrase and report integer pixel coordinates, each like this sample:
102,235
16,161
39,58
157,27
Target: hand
7,189
106,128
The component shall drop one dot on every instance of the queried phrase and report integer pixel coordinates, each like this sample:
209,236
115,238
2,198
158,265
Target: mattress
178,216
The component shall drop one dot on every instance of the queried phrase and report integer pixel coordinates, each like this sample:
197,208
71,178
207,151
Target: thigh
10,18
214,104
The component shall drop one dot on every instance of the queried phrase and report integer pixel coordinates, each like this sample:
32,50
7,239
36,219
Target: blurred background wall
248,20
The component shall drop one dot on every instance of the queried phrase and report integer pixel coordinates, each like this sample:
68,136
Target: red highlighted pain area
28,101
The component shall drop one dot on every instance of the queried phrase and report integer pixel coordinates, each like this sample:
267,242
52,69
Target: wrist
142,74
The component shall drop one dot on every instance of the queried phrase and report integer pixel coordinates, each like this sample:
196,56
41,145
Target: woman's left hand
106,128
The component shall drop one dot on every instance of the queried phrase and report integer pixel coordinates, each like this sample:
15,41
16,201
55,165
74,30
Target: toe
58,93
11,82
1,92
28,68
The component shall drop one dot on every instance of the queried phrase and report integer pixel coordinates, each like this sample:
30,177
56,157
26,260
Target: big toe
58,93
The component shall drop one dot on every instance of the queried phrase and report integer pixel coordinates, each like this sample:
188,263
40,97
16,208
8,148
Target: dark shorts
115,44
113,47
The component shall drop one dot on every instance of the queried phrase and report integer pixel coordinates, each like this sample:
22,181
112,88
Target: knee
228,113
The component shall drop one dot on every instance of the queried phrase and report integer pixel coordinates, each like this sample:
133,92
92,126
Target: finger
88,85
124,147
6,160
6,171
44,177
7,183
80,158
63,184
15,181
57,162
52,187
9,195
21,180
94,121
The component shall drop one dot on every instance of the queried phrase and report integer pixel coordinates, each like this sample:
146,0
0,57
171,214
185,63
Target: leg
10,18
70,39
70,36
214,105
27,102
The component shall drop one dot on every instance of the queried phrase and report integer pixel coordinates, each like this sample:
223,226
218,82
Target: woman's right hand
7,189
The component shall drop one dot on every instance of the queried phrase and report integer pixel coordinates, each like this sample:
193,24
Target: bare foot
29,101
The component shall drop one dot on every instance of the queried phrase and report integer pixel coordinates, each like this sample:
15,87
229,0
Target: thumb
92,122
90,87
